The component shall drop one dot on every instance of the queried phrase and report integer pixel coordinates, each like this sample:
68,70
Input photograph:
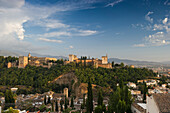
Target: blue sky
130,29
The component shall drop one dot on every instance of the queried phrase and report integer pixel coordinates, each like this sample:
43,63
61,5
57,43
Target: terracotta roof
163,102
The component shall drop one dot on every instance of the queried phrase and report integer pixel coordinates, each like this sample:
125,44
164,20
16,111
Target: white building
158,103
130,84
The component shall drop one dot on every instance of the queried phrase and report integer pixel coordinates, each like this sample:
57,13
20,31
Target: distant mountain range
132,62
8,53
116,60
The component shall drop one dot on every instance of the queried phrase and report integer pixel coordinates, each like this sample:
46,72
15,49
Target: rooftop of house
163,102
139,107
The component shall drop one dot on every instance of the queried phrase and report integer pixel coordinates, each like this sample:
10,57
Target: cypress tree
49,100
61,104
72,102
52,104
65,104
56,106
100,98
90,98
144,92
45,100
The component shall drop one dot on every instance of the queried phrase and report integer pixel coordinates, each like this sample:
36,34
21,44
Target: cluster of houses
157,98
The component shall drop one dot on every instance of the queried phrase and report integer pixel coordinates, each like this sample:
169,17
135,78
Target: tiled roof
163,102
138,107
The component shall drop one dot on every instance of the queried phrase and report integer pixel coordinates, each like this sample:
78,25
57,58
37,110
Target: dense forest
35,79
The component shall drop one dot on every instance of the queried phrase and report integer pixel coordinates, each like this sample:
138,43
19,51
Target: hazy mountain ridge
134,62
8,53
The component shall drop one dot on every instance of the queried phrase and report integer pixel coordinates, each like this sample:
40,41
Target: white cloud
50,24
11,3
12,18
49,40
167,2
68,33
148,18
160,38
71,47
85,32
114,3
16,15
139,45
165,21
56,34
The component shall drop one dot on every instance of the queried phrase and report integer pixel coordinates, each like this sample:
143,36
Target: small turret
29,55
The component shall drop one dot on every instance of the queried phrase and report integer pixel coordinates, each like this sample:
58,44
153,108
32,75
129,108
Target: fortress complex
94,62
33,61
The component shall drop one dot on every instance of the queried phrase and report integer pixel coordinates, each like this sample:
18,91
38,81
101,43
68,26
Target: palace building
95,62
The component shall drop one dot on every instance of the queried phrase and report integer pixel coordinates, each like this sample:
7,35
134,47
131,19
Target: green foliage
1,94
98,109
120,101
36,78
67,110
9,98
42,108
5,60
11,110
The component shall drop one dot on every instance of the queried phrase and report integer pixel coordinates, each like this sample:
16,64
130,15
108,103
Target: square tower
23,61
72,57
104,60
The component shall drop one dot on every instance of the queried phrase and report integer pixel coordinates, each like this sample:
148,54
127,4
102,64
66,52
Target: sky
126,29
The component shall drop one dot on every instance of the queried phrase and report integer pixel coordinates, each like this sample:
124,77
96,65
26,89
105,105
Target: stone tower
66,92
72,57
105,59
29,55
23,61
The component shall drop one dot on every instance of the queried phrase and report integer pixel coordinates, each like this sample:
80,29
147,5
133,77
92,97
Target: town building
131,84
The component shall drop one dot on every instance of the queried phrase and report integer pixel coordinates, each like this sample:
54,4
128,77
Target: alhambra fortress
48,62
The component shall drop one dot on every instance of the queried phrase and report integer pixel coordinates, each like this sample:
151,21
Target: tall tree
56,106
52,106
72,102
120,101
49,100
9,99
100,98
89,98
144,92
61,104
66,103
45,100
113,64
